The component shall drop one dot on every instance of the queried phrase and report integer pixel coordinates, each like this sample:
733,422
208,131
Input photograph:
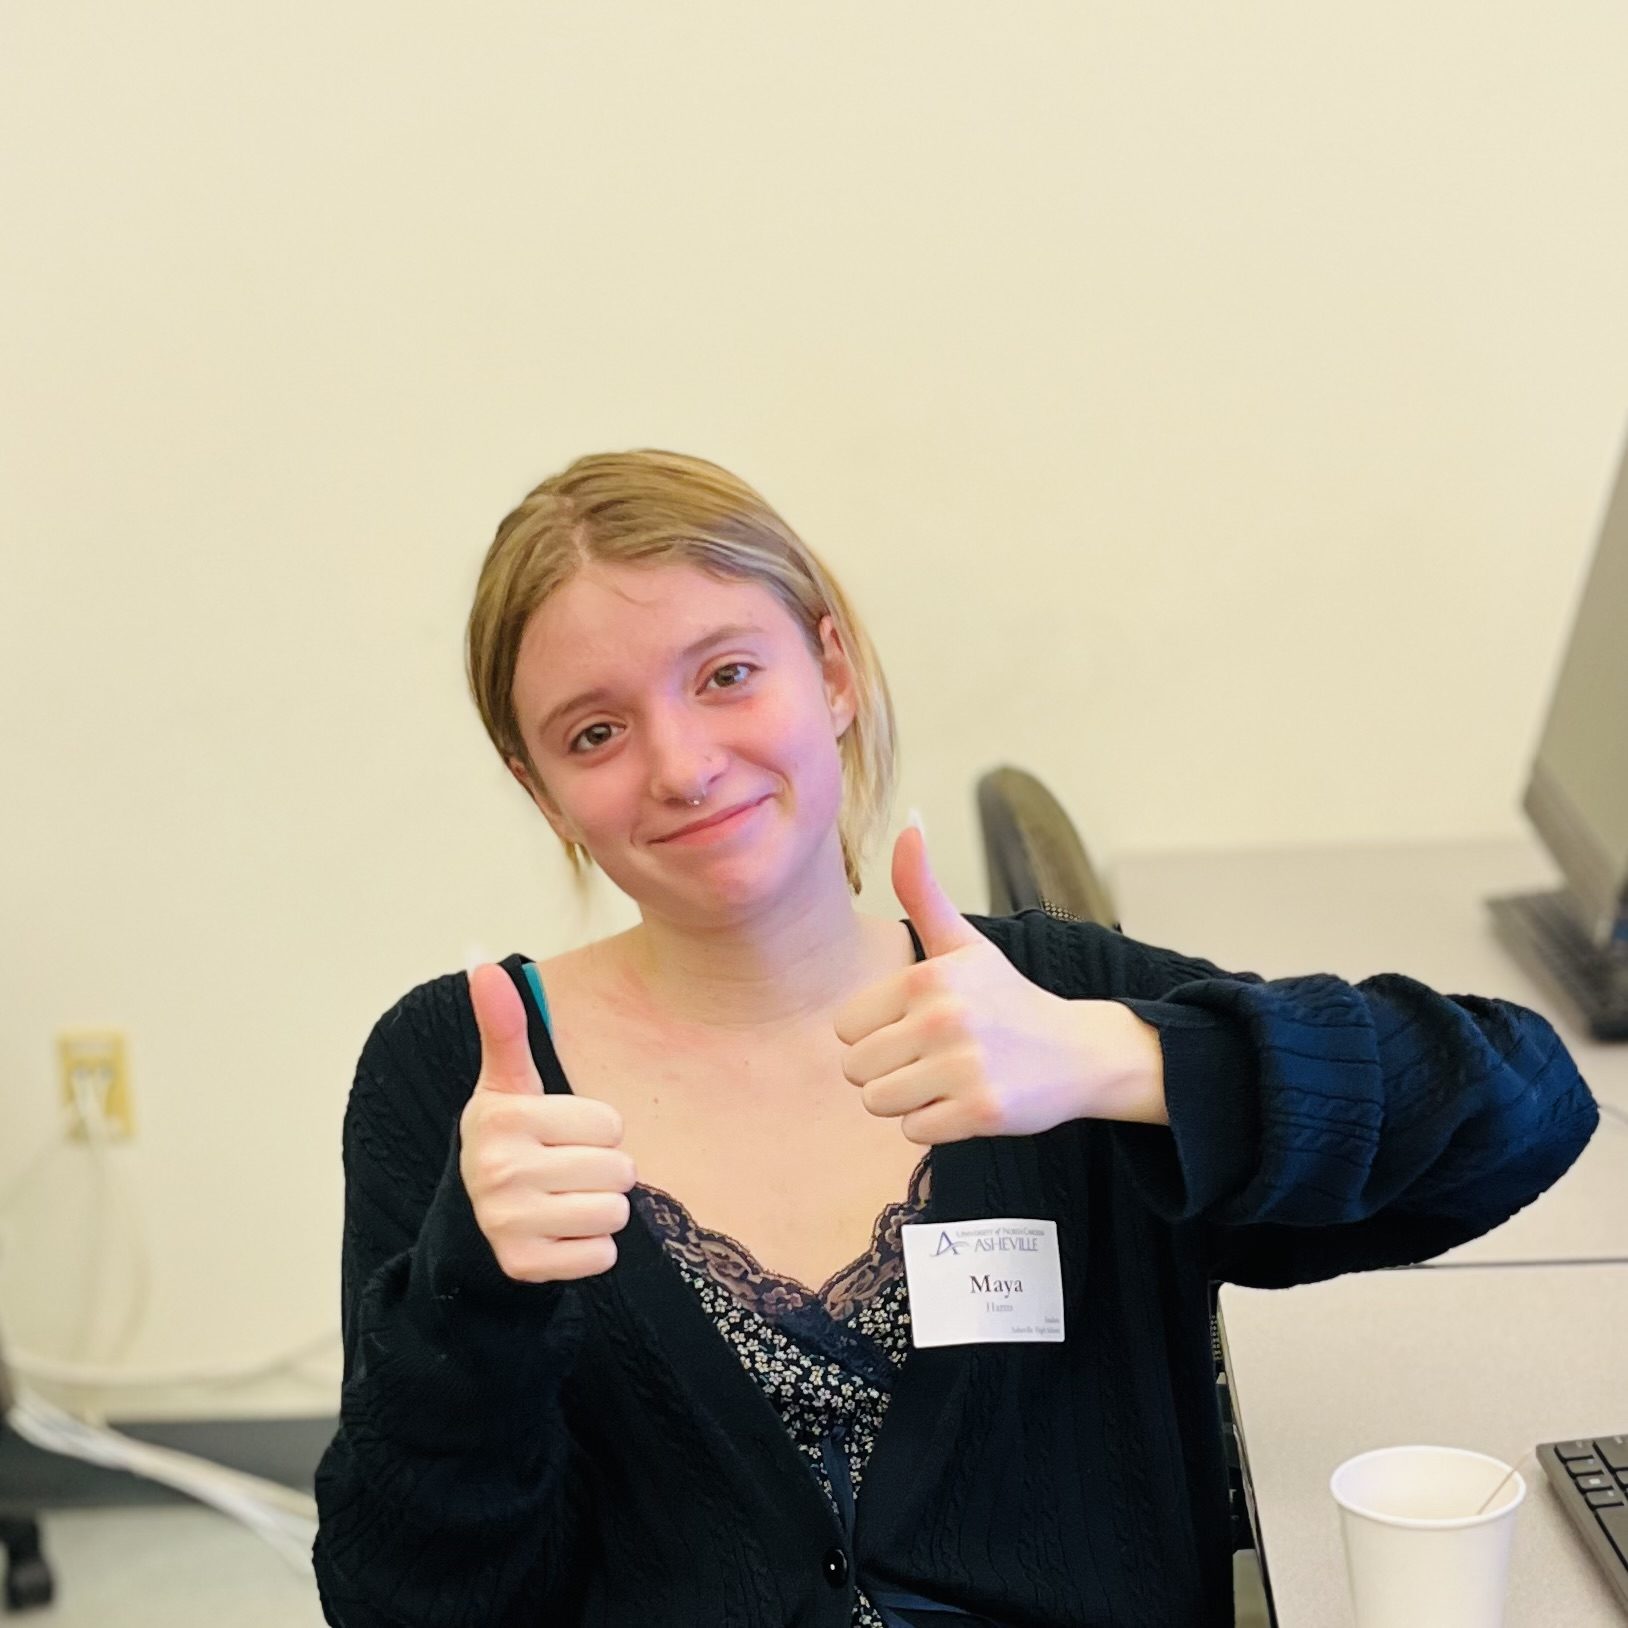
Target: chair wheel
28,1585
28,1574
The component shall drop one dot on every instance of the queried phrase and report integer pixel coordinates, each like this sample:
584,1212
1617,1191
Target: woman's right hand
545,1174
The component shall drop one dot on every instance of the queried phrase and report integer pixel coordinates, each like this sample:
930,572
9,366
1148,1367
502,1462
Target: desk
1479,1350
1313,1373
1418,909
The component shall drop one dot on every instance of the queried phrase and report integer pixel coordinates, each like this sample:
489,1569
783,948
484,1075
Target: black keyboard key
1615,1522
1595,1501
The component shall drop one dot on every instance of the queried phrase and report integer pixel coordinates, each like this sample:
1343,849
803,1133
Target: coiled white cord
282,1517
55,1371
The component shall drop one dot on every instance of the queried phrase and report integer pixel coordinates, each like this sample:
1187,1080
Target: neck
782,967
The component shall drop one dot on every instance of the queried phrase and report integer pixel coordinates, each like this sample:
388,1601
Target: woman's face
639,688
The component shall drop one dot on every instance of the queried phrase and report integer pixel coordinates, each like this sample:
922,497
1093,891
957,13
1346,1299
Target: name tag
976,1282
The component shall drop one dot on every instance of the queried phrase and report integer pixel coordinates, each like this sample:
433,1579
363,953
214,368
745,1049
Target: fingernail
915,820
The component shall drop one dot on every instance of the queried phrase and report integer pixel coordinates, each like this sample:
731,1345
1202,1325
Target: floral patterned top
825,1359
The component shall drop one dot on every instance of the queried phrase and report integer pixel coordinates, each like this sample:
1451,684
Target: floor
168,1566
177,1566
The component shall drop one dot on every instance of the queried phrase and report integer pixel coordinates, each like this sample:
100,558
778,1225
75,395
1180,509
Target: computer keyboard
1590,1478
1543,931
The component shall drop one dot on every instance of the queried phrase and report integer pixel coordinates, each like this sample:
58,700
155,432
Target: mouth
726,818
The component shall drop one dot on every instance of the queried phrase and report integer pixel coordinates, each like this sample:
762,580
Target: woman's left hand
963,1045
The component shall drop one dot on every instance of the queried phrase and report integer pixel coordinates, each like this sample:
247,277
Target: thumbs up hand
545,1175
963,1045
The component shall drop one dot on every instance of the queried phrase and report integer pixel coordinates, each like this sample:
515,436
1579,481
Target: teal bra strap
537,989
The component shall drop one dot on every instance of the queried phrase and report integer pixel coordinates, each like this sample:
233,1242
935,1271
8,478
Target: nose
684,763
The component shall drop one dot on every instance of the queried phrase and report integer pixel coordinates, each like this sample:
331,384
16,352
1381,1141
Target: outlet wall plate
98,1056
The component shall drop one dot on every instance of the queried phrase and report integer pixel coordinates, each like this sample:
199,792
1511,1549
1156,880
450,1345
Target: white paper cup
1416,1551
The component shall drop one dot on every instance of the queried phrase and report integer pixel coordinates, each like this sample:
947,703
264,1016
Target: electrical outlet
96,1056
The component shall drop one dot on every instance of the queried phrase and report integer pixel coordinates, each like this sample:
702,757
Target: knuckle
986,1112
494,1116
537,1267
514,1262
584,1257
553,1163
923,979
491,1166
497,1224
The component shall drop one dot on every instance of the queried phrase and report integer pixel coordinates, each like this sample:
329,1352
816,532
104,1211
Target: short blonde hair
650,507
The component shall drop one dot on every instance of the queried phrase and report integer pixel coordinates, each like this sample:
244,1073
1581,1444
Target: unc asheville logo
949,1245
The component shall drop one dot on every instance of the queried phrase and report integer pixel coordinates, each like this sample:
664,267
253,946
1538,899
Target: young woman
773,1262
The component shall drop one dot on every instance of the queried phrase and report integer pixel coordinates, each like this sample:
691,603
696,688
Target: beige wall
1209,407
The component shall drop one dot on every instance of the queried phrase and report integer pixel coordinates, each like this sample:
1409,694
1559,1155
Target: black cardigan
593,1453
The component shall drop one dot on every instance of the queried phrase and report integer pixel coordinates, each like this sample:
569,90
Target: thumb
505,1054
942,927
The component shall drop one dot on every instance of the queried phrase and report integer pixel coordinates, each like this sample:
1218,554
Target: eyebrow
730,630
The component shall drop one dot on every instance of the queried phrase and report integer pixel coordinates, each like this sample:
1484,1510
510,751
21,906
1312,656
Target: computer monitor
1576,937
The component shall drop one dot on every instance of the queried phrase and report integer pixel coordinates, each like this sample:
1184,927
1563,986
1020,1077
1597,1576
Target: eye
745,668
583,735
732,666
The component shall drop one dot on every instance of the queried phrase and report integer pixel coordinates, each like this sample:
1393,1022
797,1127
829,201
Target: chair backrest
1035,859
1033,854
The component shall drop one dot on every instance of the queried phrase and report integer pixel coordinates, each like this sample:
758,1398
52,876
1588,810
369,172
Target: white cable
282,1517
91,1105
48,1150
93,1376
141,1270
131,1233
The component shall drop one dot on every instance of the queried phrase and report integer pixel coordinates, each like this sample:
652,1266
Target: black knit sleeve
1319,1126
440,1499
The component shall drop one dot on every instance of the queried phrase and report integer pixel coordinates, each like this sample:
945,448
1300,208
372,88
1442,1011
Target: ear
841,691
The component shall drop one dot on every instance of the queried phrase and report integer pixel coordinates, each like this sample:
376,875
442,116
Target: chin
739,883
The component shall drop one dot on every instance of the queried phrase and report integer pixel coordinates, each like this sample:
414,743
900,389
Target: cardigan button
835,1567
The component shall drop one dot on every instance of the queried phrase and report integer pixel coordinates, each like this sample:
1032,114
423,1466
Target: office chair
1033,854
1035,859
28,1580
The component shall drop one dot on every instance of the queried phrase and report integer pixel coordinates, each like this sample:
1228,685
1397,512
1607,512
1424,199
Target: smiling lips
729,819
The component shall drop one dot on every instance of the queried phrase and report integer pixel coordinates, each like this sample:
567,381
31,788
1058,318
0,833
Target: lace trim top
732,1264
825,1359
